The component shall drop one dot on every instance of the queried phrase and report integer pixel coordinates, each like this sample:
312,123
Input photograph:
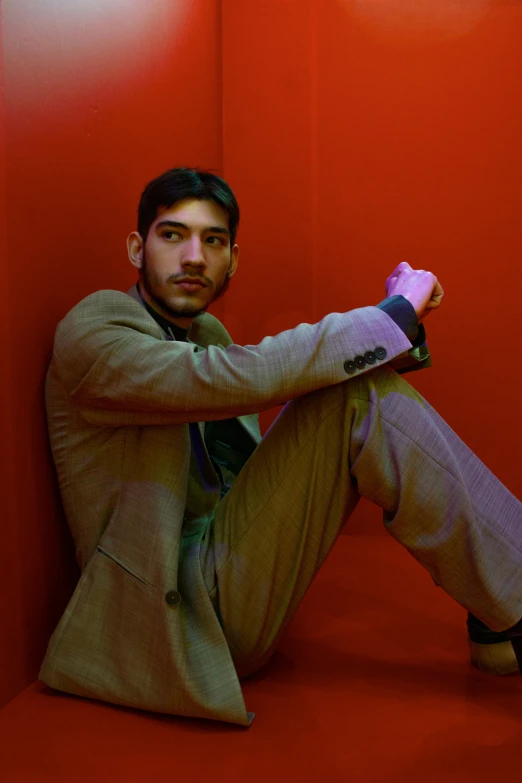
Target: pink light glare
419,20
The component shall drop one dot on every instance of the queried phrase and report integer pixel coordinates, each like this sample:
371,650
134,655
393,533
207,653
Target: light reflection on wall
419,20
72,43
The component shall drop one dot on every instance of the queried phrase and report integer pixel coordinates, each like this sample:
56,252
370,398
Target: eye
169,234
219,239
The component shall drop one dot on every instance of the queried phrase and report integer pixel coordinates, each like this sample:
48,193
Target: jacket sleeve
117,369
404,315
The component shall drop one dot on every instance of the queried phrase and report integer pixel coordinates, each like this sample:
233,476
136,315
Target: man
197,539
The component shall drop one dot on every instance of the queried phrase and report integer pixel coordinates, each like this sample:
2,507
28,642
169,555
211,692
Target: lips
191,286
192,281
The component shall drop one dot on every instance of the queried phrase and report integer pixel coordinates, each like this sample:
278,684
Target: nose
193,255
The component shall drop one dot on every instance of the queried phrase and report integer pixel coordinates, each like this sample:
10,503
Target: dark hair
180,183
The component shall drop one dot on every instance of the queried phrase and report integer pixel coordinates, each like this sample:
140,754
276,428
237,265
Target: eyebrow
176,224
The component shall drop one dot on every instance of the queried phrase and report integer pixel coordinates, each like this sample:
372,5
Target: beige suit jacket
140,629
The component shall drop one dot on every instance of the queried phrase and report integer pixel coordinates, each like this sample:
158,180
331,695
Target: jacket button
173,598
380,352
350,367
360,362
370,357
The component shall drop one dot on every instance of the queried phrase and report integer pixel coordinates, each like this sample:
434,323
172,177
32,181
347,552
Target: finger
435,302
402,267
437,294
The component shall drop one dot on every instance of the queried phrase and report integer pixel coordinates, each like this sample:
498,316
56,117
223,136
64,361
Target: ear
135,249
234,258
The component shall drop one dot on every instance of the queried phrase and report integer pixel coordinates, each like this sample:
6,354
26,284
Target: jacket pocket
117,562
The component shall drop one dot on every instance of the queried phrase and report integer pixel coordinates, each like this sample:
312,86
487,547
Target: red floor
371,683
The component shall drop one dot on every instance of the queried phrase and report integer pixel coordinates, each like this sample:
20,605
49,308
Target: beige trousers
377,437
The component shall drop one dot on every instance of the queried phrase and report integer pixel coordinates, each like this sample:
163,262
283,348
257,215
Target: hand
420,288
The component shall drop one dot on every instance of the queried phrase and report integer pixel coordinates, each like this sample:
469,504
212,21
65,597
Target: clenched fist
420,288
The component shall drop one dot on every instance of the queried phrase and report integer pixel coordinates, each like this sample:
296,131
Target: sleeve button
370,357
360,362
380,352
350,367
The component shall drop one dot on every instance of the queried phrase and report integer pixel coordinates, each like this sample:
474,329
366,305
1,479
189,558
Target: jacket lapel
206,334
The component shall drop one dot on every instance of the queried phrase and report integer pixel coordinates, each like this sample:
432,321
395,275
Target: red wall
356,134
360,133
10,612
100,97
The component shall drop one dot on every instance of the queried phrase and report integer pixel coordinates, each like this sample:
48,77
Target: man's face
186,261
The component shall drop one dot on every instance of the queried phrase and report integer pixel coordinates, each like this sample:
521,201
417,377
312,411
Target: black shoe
495,652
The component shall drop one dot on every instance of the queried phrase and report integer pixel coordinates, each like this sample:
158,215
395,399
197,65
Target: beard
188,310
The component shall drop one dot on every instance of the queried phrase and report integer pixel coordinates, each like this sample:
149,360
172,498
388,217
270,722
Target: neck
183,323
